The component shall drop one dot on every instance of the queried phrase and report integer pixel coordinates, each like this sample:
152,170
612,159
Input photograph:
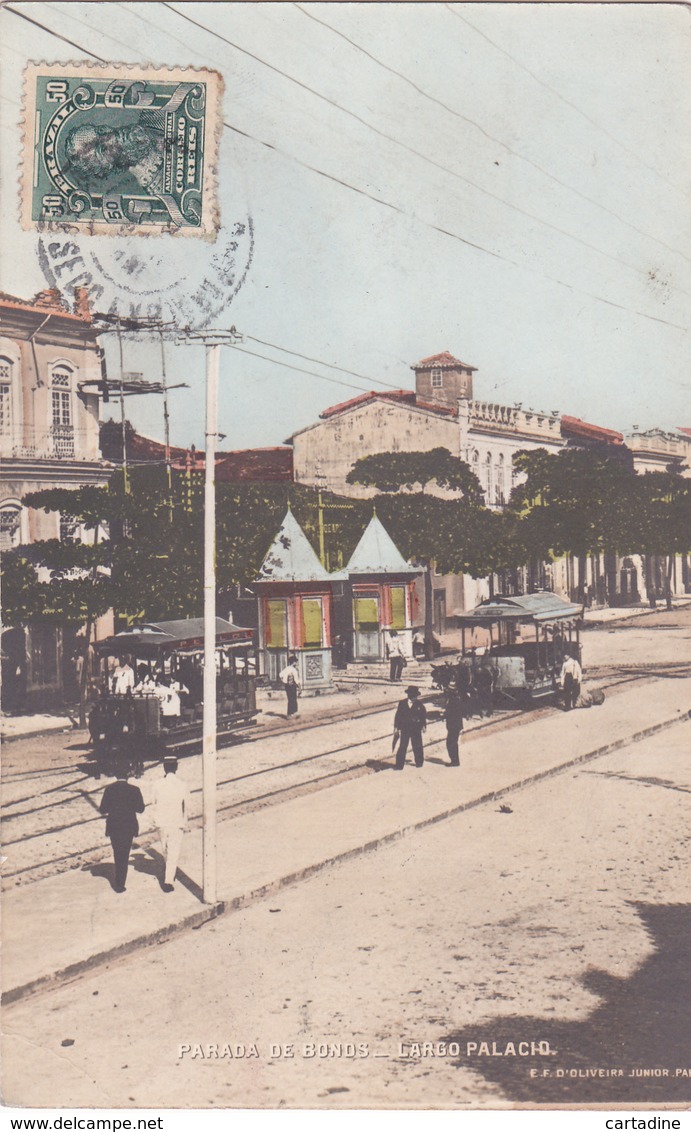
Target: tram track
43,860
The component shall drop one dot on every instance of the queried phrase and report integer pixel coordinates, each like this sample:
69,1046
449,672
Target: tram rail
608,676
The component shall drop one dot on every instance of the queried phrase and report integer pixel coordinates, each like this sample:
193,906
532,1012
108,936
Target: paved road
564,921
51,820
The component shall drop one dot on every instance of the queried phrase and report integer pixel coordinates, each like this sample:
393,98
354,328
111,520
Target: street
529,951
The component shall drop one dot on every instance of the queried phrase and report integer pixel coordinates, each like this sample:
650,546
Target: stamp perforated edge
214,128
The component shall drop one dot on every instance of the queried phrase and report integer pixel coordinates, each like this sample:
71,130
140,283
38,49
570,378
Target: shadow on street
642,1022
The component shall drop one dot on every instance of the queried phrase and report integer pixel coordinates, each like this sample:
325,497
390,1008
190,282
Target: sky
507,182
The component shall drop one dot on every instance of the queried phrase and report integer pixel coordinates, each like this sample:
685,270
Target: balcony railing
63,440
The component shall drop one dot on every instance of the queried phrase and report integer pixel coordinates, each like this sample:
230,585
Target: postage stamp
115,148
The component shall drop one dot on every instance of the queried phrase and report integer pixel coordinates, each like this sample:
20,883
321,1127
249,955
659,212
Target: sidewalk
26,726
607,614
59,927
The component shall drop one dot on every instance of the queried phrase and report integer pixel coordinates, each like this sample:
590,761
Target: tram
151,681
522,641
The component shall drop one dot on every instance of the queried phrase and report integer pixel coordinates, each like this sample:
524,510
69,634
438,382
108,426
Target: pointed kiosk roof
377,553
291,558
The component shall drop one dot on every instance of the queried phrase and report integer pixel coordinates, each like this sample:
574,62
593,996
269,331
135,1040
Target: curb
197,919
61,728
593,624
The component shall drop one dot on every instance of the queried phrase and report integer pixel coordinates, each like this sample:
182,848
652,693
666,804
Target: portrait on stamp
109,148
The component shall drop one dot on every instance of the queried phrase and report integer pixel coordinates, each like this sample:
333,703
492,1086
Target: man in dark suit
454,724
409,723
120,804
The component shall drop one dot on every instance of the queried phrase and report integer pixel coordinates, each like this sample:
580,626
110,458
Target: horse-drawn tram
519,643
151,681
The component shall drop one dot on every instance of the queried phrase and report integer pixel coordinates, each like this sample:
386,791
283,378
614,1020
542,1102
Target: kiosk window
397,607
366,611
277,636
312,622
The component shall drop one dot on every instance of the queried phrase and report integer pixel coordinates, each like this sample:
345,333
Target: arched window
501,481
6,374
63,433
10,525
488,479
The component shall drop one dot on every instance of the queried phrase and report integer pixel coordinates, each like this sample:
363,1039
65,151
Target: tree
79,589
660,518
573,502
426,527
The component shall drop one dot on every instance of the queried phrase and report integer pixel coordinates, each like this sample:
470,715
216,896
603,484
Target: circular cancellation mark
162,280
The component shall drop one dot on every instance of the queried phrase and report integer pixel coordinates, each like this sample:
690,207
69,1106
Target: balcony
62,437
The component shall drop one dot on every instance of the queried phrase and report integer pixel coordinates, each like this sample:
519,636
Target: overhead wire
491,137
403,145
566,101
318,361
55,34
388,204
310,373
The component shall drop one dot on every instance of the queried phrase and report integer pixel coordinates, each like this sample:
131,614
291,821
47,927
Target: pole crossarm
112,321
128,388
229,337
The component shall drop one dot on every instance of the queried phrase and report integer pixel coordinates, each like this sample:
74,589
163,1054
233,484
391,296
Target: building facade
443,412
49,437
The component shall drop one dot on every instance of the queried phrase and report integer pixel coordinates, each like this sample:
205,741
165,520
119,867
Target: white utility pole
213,340
209,725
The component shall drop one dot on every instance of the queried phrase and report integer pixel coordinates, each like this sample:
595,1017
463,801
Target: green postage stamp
115,148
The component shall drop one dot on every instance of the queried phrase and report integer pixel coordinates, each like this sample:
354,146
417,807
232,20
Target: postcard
345,503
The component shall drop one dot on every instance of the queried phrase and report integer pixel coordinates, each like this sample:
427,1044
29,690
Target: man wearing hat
120,805
171,808
409,723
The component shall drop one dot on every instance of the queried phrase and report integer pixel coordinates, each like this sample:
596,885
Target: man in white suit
171,808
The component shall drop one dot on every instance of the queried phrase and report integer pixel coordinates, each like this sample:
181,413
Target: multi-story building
658,451
49,437
442,412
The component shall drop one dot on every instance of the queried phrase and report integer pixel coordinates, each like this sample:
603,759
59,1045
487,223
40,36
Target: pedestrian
454,725
123,677
570,679
290,678
397,660
171,813
409,723
484,682
120,805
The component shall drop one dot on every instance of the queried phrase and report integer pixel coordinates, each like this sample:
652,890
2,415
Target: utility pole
133,384
123,422
212,340
166,426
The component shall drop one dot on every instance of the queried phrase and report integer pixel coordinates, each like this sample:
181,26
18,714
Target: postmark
136,281
115,148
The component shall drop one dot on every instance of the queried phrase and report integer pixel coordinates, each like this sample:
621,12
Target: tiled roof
50,301
263,464
686,431
445,360
398,396
575,427
255,464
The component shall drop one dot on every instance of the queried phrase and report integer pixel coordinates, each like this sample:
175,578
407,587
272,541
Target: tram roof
169,636
523,607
